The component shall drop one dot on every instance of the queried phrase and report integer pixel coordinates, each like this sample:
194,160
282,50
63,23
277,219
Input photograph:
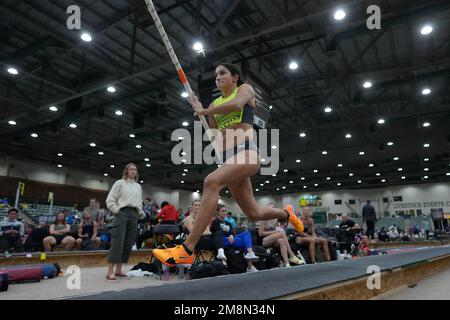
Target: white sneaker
251,256
221,256
296,260
252,269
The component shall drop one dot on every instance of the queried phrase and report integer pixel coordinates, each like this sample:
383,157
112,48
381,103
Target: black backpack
89,245
235,261
268,258
208,269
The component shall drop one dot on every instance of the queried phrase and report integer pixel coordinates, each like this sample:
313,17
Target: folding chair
203,256
159,230
162,229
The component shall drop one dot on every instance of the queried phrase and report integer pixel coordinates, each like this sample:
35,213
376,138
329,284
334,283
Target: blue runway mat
274,283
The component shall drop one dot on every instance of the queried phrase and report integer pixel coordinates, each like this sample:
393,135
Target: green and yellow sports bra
245,115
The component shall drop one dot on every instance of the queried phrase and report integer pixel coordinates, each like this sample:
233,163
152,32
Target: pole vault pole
177,65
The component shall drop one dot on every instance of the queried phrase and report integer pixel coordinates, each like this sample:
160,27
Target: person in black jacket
370,218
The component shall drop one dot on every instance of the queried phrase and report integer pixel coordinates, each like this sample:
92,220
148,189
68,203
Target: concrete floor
92,281
435,287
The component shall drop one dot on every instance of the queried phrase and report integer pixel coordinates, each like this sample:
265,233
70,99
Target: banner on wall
310,201
437,214
21,188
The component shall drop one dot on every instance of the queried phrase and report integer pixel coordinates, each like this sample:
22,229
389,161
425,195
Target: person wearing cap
11,232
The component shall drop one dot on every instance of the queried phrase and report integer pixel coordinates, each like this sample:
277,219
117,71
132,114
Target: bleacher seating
387,222
334,223
35,211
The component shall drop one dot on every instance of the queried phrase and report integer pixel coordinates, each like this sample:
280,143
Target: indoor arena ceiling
335,58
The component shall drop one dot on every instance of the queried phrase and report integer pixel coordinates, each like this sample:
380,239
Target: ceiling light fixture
427,29
367,84
12,70
293,65
426,91
339,15
86,37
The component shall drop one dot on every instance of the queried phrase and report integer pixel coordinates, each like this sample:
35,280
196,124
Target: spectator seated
60,233
11,233
35,240
393,233
383,235
360,247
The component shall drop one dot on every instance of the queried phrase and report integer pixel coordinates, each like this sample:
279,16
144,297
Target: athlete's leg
243,194
214,182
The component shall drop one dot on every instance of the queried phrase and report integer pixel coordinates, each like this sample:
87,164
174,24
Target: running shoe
174,256
293,219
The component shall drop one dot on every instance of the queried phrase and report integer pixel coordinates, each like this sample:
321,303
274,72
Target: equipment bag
236,262
208,269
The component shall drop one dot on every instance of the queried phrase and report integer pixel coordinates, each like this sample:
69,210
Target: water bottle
181,270
166,274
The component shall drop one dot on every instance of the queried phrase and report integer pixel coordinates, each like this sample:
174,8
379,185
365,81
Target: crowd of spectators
90,230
